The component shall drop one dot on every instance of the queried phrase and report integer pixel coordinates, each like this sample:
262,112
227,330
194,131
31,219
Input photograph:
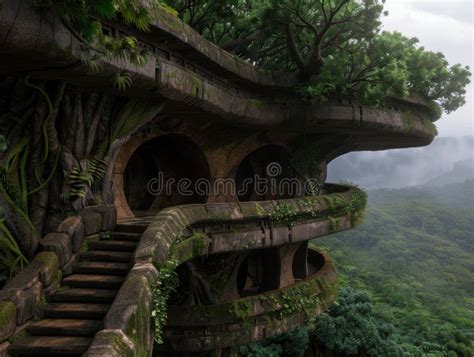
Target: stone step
76,310
114,245
106,268
130,227
108,256
50,345
65,327
125,236
84,295
94,281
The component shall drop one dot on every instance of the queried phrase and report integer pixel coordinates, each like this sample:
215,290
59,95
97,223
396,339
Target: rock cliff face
200,249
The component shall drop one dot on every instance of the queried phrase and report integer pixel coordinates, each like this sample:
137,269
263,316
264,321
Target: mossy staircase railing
179,234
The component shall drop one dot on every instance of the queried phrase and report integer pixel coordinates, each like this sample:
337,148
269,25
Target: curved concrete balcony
253,318
215,228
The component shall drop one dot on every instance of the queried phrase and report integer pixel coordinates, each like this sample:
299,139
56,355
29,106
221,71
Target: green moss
168,9
119,345
84,246
260,210
7,314
42,300
430,127
188,248
333,223
242,309
196,85
48,260
335,200
18,336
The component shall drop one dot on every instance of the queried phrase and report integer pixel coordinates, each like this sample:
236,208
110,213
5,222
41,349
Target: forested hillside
414,255
406,277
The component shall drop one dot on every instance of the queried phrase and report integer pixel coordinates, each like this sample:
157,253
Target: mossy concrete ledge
228,227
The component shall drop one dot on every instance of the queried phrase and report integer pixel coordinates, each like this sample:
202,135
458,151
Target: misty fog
446,160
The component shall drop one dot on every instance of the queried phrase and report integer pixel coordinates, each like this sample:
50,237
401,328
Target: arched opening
162,172
259,272
315,261
259,176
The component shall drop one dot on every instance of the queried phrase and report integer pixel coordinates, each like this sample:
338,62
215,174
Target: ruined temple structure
107,248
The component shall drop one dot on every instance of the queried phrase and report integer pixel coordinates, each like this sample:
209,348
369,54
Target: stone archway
267,165
158,173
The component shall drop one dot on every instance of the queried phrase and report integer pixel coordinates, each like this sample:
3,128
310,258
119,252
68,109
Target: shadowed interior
173,163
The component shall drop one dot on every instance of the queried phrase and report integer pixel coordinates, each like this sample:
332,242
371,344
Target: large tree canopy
336,46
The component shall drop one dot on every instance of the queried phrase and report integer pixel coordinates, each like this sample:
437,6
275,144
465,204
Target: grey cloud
458,10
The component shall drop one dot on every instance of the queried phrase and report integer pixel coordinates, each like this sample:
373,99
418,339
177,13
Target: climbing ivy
166,283
337,206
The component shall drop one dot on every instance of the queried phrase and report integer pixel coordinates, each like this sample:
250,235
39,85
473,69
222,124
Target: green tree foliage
336,46
407,277
293,343
414,255
351,327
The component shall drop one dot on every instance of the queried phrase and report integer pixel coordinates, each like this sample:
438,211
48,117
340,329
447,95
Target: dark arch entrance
174,163
270,164
259,272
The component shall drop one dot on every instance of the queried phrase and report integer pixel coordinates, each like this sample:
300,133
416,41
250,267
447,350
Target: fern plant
122,81
97,169
79,17
79,181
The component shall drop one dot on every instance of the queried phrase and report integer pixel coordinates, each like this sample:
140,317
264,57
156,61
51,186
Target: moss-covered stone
7,319
49,267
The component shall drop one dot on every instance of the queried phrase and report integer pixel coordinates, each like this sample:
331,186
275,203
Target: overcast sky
446,26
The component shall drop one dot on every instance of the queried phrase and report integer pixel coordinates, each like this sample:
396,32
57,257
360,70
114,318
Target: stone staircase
75,312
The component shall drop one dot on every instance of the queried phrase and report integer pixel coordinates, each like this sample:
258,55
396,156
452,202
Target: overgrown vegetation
83,19
166,284
336,46
407,278
414,256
